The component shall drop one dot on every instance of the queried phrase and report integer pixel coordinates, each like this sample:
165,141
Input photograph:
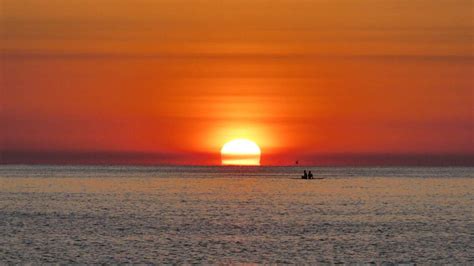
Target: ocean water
119,214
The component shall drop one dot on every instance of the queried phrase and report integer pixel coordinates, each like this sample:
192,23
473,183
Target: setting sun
240,152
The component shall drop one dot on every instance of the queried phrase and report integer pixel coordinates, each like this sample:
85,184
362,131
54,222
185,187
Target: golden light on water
240,152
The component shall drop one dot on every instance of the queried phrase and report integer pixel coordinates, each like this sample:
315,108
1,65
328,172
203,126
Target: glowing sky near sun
184,77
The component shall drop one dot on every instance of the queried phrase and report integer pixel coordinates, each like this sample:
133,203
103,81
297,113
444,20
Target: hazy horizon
214,159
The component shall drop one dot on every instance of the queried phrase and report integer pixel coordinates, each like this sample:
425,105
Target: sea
236,215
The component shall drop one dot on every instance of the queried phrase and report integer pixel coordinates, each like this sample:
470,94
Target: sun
240,152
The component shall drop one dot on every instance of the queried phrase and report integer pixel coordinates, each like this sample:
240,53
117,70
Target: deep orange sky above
183,77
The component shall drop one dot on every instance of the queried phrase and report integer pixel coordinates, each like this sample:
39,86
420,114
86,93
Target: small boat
310,177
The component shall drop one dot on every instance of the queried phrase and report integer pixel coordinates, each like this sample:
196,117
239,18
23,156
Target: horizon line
147,158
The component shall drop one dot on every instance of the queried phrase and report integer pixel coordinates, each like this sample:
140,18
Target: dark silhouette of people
305,175
308,175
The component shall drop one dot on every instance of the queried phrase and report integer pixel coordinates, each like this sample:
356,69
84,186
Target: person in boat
305,175
310,175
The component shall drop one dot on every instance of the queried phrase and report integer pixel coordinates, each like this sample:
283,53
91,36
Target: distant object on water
308,175
305,175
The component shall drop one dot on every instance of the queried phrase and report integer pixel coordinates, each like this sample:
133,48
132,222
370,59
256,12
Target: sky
171,81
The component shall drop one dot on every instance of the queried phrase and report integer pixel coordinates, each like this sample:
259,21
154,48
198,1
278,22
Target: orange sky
182,77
